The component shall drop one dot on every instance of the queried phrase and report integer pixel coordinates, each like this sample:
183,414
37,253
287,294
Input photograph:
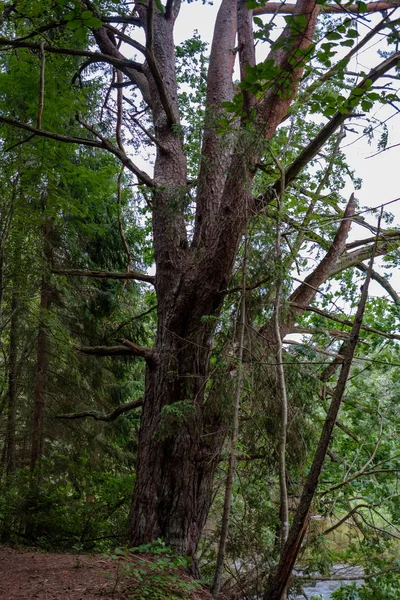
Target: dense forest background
184,282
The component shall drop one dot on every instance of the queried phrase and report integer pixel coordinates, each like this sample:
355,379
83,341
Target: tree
197,225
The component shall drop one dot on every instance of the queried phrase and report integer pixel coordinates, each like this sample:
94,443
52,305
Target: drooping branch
105,275
102,143
143,177
272,8
323,313
119,62
383,282
103,417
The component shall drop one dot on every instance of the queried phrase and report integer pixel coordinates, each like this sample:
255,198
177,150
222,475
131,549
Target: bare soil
31,575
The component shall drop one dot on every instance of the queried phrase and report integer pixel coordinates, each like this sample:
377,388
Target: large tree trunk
182,432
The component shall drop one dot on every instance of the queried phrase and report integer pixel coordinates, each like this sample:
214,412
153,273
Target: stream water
324,589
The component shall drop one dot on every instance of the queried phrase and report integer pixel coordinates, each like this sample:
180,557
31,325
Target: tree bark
12,386
39,394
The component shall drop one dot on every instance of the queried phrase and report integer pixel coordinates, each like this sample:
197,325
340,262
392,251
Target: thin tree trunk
281,383
216,588
12,386
276,589
42,355
1,280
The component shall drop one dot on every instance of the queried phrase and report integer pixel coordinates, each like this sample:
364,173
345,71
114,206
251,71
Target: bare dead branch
104,350
147,353
103,417
105,275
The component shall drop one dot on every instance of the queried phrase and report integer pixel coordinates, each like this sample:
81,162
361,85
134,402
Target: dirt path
45,576
31,575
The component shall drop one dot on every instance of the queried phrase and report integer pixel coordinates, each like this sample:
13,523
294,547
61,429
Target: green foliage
73,505
154,572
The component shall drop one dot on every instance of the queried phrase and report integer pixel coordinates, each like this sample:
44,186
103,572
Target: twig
41,88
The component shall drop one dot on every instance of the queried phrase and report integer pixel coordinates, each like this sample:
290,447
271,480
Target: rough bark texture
41,356
12,386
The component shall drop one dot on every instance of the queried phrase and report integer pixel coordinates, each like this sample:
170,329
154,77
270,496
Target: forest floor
32,575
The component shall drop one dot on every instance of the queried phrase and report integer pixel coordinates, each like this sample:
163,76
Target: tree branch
325,133
352,259
127,348
119,63
143,177
101,417
147,353
105,275
383,282
104,144
348,323
288,9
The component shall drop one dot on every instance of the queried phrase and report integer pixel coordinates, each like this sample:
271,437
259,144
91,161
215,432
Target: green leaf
333,35
366,104
352,33
75,24
159,6
86,14
93,23
81,34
